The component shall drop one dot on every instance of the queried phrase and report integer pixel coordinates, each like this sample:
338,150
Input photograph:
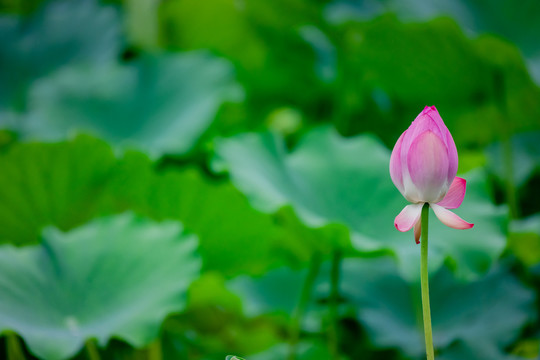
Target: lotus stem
424,281
333,306
154,351
92,350
314,266
14,348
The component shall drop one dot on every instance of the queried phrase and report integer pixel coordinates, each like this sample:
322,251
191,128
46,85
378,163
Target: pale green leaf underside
118,276
161,104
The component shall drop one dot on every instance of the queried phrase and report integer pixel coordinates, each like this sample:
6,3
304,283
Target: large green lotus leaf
118,276
67,184
486,315
61,32
234,237
158,103
331,179
518,24
51,184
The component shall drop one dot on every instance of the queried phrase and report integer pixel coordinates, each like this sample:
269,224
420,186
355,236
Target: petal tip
428,109
398,229
464,226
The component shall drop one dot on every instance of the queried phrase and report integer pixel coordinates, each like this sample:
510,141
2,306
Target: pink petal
418,230
408,217
427,162
395,164
454,196
450,219
432,113
423,122
452,156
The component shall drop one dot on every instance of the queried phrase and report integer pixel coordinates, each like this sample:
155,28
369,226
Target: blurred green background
188,179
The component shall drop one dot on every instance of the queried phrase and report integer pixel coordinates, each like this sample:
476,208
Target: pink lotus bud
424,161
423,167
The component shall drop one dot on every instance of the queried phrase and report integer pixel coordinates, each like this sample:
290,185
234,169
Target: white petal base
408,217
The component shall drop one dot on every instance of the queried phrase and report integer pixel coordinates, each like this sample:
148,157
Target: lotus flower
423,167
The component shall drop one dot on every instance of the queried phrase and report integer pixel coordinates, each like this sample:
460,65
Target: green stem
92,350
511,192
424,279
154,351
14,348
333,306
296,324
